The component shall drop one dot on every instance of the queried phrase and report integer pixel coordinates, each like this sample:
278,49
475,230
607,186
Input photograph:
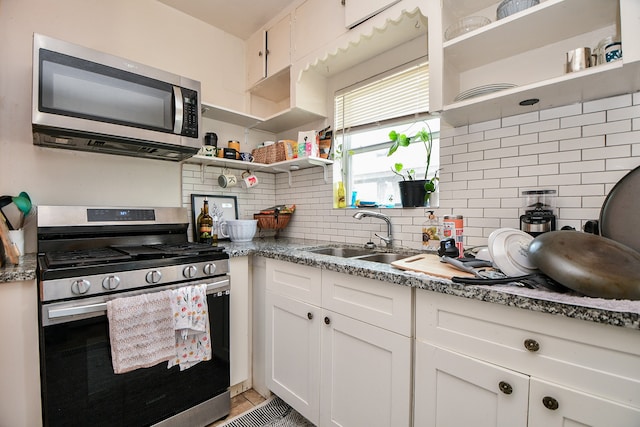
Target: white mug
227,180
249,180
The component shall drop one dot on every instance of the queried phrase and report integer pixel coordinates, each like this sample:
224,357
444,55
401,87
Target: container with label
453,226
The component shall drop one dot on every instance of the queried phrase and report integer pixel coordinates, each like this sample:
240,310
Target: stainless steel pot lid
620,213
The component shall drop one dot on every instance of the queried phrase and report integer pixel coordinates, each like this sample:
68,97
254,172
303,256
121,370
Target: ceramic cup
227,180
578,59
249,180
208,150
235,145
246,157
230,153
613,52
17,238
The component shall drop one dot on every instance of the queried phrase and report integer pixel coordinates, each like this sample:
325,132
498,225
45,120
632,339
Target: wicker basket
271,222
278,152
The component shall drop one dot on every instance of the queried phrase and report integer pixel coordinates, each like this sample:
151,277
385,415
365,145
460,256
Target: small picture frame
228,205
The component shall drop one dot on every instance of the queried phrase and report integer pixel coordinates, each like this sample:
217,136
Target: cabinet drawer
377,303
296,281
602,360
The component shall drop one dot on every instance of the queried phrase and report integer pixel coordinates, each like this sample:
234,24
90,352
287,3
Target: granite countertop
623,313
25,270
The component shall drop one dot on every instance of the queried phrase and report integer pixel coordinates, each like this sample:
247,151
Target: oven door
79,387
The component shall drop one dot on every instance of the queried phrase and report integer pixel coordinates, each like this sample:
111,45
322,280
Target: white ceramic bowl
241,230
509,7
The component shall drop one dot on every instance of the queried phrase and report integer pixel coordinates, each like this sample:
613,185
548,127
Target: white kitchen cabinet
268,51
356,11
455,390
578,372
344,367
528,49
239,304
314,25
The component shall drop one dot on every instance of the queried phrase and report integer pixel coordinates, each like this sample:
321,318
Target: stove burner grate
84,257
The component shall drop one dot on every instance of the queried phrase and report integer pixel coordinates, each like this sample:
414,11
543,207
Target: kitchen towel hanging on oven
191,324
141,331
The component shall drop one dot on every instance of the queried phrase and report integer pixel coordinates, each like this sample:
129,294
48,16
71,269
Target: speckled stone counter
621,313
25,270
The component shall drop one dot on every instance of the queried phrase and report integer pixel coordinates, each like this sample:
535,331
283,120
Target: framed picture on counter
226,205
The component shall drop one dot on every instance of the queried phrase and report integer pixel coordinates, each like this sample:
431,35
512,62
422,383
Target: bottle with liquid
431,232
205,225
342,197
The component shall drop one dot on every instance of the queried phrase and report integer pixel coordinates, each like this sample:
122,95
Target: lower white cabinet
333,367
487,365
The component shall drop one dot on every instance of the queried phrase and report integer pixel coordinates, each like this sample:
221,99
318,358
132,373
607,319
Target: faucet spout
388,240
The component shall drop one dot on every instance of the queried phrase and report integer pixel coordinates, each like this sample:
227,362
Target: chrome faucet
387,240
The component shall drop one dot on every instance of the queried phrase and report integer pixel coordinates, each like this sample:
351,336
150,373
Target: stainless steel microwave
87,100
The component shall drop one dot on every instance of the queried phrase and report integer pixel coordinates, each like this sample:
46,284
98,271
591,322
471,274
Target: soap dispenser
431,232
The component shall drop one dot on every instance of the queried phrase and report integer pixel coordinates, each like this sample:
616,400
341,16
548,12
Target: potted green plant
414,192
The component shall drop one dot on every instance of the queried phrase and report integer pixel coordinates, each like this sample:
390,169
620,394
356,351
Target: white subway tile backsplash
580,150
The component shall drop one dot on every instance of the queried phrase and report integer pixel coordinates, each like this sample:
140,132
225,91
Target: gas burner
84,257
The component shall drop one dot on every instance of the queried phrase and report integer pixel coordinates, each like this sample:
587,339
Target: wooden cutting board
431,265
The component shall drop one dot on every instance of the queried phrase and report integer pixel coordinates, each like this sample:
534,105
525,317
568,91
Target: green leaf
398,167
403,140
393,135
429,186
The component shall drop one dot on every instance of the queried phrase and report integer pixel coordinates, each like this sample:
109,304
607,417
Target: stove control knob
80,286
209,269
153,276
190,271
111,282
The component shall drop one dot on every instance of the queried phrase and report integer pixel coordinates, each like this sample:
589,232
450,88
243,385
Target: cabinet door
552,405
366,374
313,26
455,390
279,46
293,353
356,11
256,58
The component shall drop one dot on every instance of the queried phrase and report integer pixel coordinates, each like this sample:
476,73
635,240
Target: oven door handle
56,313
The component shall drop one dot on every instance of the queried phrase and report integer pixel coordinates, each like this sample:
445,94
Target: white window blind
397,95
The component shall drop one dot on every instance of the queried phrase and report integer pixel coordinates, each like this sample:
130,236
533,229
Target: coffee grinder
538,217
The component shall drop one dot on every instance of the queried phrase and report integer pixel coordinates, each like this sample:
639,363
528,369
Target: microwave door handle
179,108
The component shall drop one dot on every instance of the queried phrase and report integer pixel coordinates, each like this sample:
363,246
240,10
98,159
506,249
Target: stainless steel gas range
90,255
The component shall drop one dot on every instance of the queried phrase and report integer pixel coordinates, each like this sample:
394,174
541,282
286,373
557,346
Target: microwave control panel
190,108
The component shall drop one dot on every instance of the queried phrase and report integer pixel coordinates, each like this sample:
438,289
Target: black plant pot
413,194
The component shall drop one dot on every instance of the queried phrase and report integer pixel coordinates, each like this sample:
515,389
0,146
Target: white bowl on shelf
465,25
509,7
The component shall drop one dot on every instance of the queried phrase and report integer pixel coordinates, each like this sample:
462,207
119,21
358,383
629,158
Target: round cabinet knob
309,315
153,276
505,387
327,321
209,269
111,282
190,271
80,286
550,403
531,345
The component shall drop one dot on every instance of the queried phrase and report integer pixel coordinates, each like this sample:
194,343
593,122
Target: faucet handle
386,240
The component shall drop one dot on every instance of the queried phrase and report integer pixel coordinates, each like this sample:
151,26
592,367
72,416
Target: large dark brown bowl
592,265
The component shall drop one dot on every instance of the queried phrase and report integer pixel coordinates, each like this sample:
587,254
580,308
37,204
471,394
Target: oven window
80,388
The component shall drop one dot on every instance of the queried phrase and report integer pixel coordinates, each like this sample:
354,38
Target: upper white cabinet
356,11
528,49
268,51
306,35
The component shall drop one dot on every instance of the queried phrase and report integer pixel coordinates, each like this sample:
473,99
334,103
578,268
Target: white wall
143,30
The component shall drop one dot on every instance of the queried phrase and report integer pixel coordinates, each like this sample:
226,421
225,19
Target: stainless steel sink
341,252
361,254
384,257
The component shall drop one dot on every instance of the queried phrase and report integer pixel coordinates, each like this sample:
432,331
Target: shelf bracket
288,174
324,168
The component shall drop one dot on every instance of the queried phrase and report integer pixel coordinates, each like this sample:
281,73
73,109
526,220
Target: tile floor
240,404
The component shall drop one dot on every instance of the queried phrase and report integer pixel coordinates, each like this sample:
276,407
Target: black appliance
89,255
538,217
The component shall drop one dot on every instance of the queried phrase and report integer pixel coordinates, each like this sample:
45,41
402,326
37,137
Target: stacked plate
509,249
483,90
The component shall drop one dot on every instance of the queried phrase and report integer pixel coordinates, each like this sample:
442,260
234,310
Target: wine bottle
205,225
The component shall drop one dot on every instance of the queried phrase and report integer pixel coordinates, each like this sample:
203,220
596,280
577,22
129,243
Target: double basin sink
361,254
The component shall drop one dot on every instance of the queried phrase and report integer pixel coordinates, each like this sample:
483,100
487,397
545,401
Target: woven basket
270,222
278,152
